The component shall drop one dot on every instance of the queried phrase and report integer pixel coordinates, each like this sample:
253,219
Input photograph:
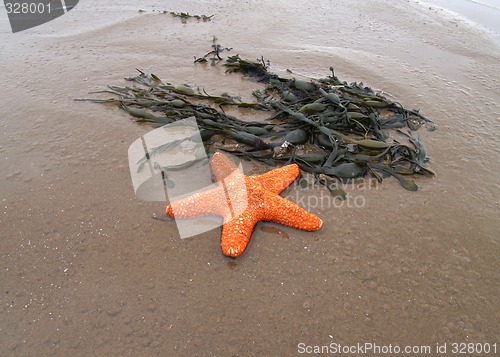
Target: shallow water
85,270
479,13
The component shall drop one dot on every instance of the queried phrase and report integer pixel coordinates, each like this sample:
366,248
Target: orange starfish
243,201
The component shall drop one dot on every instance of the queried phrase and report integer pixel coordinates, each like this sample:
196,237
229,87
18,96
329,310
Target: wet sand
85,270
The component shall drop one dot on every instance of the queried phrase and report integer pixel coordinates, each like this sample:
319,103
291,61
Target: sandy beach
86,271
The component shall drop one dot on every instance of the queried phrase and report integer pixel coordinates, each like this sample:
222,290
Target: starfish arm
287,213
236,234
278,179
222,166
206,203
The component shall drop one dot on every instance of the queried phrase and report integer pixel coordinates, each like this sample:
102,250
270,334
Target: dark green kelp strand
183,16
334,130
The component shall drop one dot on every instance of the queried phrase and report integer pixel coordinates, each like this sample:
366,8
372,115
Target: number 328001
27,8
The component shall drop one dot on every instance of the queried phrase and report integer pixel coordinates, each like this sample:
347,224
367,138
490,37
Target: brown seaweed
330,128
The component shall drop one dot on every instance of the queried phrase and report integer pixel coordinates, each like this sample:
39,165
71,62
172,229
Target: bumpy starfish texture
243,201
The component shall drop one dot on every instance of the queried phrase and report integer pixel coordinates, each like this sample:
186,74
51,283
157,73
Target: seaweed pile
331,129
183,16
